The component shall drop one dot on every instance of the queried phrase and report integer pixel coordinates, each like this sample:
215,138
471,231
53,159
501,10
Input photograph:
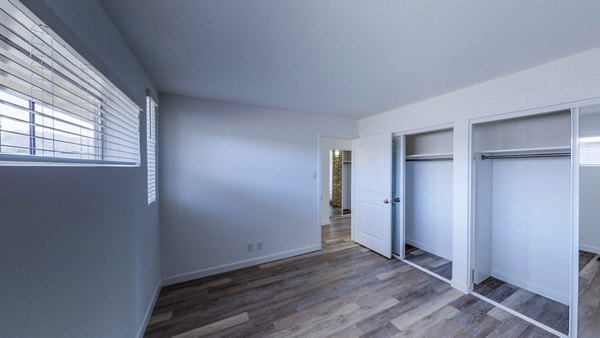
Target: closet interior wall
522,205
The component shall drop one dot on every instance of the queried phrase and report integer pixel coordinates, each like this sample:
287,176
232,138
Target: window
54,106
589,136
151,147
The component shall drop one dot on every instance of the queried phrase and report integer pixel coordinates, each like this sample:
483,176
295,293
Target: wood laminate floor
429,261
534,306
337,211
344,290
589,295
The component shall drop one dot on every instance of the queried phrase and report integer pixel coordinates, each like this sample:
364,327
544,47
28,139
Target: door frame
574,304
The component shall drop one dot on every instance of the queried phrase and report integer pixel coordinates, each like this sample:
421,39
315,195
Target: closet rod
538,155
429,159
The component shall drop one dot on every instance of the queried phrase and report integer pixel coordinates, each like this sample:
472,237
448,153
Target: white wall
566,80
234,174
328,144
589,213
435,142
79,248
428,207
543,131
531,215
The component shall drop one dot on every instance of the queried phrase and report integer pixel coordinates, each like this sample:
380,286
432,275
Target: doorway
340,176
336,187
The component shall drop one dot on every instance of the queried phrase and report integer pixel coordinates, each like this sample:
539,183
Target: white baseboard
430,249
237,265
535,288
142,329
464,288
590,248
480,276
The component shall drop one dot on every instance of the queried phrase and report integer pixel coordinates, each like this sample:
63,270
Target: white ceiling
348,58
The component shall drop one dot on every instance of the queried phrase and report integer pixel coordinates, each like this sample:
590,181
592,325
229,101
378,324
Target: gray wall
234,174
79,247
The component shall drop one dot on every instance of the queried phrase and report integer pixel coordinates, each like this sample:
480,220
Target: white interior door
372,201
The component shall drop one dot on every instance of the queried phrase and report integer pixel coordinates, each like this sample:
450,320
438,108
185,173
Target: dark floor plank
429,261
584,258
539,308
589,294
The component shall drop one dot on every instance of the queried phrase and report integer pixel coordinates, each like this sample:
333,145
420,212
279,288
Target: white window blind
589,150
151,147
54,106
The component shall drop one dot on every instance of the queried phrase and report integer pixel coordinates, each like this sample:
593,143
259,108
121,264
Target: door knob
397,199
386,201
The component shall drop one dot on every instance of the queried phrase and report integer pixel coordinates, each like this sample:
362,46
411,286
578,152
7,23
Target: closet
521,204
423,181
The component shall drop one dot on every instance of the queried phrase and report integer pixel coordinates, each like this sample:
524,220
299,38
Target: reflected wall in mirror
589,222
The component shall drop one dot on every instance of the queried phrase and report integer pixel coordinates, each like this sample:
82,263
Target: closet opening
521,202
423,194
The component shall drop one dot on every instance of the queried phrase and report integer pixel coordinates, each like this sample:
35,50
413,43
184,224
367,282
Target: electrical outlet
250,247
259,245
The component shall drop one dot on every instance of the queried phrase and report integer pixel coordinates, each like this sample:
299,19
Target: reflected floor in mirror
534,306
429,261
589,294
